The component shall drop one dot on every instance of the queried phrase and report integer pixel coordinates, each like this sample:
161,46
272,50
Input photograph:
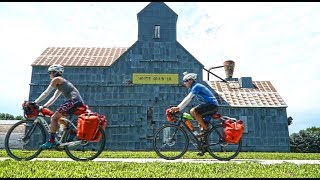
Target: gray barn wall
134,112
266,128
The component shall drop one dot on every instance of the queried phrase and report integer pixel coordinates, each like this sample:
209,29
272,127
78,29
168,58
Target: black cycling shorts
206,109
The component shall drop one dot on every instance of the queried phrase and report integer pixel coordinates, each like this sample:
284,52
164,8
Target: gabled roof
79,56
231,94
156,4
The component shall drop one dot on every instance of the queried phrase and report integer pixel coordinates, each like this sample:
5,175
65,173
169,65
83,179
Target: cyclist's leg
201,111
53,129
195,112
63,110
73,111
209,110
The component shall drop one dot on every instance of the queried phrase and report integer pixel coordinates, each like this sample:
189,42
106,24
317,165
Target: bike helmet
57,68
188,76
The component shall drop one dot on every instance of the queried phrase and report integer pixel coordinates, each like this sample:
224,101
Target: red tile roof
79,56
230,94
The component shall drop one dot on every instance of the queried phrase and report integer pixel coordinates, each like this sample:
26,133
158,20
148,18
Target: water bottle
189,125
187,116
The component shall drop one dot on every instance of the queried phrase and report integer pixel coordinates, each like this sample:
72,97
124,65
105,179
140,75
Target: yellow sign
145,78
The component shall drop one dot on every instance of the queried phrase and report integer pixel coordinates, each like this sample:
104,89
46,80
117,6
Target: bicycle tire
218,148
20,147
170,142
85,151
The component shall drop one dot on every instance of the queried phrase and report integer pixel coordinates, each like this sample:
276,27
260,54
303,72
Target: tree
19,118
6,116
307,140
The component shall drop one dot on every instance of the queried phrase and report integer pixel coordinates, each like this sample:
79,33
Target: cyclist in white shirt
68,90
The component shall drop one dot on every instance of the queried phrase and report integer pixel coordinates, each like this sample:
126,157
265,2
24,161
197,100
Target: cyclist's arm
53,84
53,98
185,101
45,94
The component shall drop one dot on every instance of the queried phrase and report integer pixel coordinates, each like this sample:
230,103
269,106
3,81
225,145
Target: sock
52,137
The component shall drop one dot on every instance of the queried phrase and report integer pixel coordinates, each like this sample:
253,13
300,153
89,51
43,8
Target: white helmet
57,68
188,76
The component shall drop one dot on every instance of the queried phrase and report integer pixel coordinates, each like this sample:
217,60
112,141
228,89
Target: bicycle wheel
83,150
23,140
220,149
170,142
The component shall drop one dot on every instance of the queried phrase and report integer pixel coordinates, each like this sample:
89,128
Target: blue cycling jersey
203,94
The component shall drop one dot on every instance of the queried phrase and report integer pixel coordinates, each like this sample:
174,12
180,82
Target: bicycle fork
29,132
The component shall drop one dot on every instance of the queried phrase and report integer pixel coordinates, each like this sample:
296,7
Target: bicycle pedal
200,154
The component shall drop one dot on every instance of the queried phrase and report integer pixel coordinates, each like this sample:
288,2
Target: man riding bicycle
208,103
66,88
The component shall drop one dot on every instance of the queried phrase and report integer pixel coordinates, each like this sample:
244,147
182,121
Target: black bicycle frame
194,140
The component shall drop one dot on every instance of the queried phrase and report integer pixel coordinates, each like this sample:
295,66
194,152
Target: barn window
157,31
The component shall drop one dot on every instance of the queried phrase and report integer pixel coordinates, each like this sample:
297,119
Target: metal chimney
229,68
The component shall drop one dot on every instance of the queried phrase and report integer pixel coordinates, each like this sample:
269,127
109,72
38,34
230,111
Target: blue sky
269,41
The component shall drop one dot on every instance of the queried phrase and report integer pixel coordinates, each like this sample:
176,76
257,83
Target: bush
306,141
19,118
6,116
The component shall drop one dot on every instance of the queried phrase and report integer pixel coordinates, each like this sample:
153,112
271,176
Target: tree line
306,141
6,116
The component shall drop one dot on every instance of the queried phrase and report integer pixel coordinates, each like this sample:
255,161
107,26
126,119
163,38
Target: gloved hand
31,103
174,109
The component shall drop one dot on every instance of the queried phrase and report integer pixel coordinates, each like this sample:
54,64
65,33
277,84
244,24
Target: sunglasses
49,72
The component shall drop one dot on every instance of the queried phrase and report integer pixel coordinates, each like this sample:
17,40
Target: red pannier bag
88,126
232,130
103,124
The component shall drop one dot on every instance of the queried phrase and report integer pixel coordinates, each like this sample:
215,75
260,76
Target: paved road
146,160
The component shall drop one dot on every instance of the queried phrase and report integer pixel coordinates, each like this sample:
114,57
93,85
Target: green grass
93,169
73,169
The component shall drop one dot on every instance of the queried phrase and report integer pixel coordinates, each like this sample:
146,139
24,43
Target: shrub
307,140
6,116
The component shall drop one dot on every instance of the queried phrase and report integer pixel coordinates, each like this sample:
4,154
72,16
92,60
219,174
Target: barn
133,86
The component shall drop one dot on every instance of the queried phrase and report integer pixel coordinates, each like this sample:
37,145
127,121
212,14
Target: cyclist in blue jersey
208,103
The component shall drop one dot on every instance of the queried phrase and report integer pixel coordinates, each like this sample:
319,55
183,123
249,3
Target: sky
268,41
